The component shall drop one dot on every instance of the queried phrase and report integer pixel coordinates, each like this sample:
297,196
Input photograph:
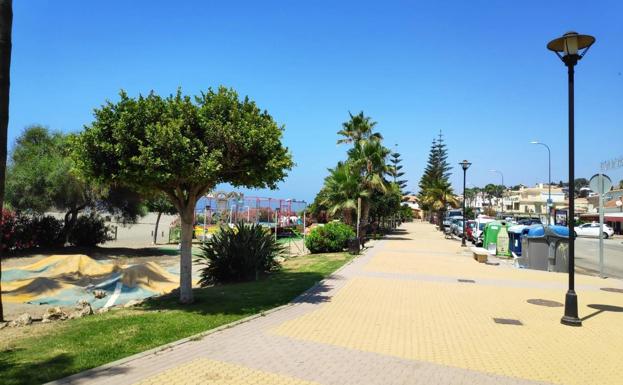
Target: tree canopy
183,146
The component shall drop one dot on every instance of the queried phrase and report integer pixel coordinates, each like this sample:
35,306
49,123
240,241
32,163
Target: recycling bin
496,238
534,248
558,246
514,233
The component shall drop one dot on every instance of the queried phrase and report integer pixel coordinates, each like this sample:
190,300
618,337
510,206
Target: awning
613,217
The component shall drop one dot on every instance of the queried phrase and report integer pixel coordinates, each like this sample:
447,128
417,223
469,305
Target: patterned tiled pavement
399,315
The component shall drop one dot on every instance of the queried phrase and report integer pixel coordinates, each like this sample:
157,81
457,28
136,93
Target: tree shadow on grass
14,371
248,297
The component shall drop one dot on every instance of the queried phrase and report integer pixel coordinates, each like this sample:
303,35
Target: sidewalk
415,309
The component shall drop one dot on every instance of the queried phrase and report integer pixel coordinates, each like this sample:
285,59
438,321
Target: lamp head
571,47
465,164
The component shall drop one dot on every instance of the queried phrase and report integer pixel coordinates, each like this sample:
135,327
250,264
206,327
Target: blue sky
478,70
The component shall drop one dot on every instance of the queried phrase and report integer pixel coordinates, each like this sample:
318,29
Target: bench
480,254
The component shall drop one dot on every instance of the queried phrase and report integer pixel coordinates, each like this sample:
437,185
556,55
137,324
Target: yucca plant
238,254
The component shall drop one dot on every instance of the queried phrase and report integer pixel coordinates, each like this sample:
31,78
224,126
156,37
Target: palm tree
369,157
438,197
6,25
341,190
359,127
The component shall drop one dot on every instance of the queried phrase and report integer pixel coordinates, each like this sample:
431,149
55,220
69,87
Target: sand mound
149,276
80,265
75,265
30,289
39,265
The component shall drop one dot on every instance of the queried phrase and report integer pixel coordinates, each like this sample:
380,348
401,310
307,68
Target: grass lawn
77,345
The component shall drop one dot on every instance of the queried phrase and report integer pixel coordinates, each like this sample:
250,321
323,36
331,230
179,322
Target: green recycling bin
496,238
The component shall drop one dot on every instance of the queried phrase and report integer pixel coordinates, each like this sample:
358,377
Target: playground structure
284,217
63,280
232,207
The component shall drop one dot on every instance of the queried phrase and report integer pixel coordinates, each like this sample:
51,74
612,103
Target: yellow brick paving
452,323
204,371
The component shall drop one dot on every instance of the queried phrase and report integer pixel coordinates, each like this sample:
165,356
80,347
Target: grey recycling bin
557,253
534,248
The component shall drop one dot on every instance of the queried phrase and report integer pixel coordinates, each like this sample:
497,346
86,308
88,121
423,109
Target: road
587,256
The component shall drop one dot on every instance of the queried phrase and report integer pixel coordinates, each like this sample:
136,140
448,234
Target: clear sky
478,70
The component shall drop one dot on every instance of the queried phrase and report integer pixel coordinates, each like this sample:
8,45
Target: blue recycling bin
558,240
534,248
514,235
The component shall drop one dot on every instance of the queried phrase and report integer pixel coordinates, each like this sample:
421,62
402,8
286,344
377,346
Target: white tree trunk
186,262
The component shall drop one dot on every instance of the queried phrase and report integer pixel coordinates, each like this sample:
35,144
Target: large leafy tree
182,147
42,176
6,26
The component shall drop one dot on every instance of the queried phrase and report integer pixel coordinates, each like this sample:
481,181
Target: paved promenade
415,309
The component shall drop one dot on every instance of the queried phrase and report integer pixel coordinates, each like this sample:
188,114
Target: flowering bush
17,231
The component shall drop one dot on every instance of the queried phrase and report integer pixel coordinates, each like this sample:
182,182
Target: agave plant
237,254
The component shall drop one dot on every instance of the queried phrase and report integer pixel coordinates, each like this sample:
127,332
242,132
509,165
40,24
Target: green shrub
238,254
47,231
90,230
331,237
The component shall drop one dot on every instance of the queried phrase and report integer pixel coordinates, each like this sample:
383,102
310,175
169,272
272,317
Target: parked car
456,226
469,230
450,215
478,231
592,230
529,221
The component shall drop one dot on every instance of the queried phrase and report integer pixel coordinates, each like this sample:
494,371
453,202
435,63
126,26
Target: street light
499,172
570,48
549,184
465,165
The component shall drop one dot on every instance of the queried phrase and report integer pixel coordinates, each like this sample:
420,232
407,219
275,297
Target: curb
154,351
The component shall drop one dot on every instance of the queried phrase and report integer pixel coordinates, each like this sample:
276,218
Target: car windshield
481,226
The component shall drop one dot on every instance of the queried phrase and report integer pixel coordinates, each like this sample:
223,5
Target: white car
592,230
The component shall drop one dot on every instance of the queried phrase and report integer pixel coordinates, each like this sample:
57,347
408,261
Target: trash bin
558,245
496,238
514,233
353,245
534,247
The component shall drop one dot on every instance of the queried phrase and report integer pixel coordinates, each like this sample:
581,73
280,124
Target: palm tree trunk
6,25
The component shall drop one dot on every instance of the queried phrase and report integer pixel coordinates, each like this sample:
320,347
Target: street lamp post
465,165
499,172
570,48
549,183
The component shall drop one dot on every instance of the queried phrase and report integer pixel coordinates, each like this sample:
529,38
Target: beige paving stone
204,371
397,315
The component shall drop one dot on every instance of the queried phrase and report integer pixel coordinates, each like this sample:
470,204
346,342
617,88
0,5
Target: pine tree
395,173
437,170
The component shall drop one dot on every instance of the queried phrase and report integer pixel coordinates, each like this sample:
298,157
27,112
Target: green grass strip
76,345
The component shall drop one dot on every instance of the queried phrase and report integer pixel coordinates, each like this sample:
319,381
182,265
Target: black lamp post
570,48
465,165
